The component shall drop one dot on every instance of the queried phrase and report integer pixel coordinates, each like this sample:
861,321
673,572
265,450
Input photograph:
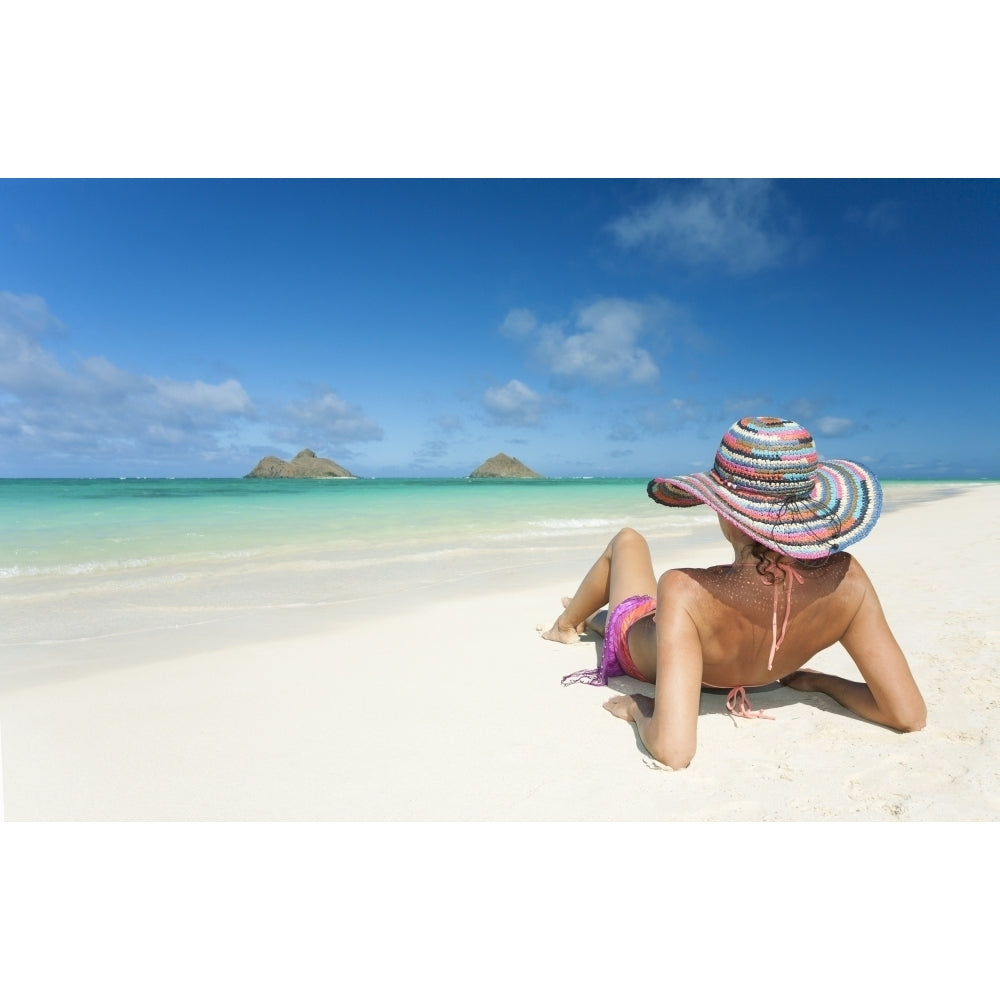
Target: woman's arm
889,694
855,696
668,725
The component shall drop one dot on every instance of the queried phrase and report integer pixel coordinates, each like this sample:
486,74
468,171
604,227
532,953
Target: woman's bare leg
624,568
594,622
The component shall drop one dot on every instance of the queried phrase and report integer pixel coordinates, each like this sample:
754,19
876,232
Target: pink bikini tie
738,703
777,640
742,708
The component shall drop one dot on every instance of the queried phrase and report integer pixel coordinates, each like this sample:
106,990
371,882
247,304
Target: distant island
305,465
502,466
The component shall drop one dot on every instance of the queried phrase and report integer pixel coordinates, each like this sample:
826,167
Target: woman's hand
630,707
804,680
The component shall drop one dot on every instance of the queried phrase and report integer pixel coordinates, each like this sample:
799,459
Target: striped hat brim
841,509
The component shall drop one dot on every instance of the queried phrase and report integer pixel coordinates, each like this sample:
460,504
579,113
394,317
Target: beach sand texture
452,709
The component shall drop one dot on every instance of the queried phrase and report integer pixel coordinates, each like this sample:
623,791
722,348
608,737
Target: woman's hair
768,561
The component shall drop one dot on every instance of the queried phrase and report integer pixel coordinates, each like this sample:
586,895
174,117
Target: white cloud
26,368
601,343
227,397
91,411
338,421
449,423
835,426
27,312
684,409
738,224
736,407
430,451
518,322
804,408
513,403
647,420
31,373
623,429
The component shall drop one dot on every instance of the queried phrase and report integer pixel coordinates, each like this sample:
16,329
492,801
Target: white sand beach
453,710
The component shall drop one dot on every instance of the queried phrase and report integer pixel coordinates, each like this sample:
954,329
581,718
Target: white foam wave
95,567
575,523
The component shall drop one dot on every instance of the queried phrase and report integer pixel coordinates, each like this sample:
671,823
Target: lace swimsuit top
737,701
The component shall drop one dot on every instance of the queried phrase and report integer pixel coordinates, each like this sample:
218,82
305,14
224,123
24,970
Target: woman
789,592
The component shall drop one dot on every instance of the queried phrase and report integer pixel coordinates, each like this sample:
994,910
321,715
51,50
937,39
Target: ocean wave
73,569
557,527
565,527
97,566
573,523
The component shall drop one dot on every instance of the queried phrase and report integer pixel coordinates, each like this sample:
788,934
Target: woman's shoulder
850,569
841,573
840,582
682,587
681,578
840,565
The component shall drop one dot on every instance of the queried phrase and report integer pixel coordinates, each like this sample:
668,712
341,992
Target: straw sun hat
768,481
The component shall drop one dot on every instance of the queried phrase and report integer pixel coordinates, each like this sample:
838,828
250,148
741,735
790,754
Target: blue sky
588,327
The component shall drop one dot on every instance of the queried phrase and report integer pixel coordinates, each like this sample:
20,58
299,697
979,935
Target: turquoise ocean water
77,528
85,558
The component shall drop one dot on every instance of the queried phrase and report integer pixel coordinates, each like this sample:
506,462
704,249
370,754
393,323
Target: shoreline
39,606
444,704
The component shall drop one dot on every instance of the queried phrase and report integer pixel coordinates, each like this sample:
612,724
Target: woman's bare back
739,613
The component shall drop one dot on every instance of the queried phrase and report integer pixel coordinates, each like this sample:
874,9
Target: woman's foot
561,632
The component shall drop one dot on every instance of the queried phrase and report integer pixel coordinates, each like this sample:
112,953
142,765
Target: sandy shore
454,711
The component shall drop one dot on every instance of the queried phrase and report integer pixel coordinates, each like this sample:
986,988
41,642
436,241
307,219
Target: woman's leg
624,569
